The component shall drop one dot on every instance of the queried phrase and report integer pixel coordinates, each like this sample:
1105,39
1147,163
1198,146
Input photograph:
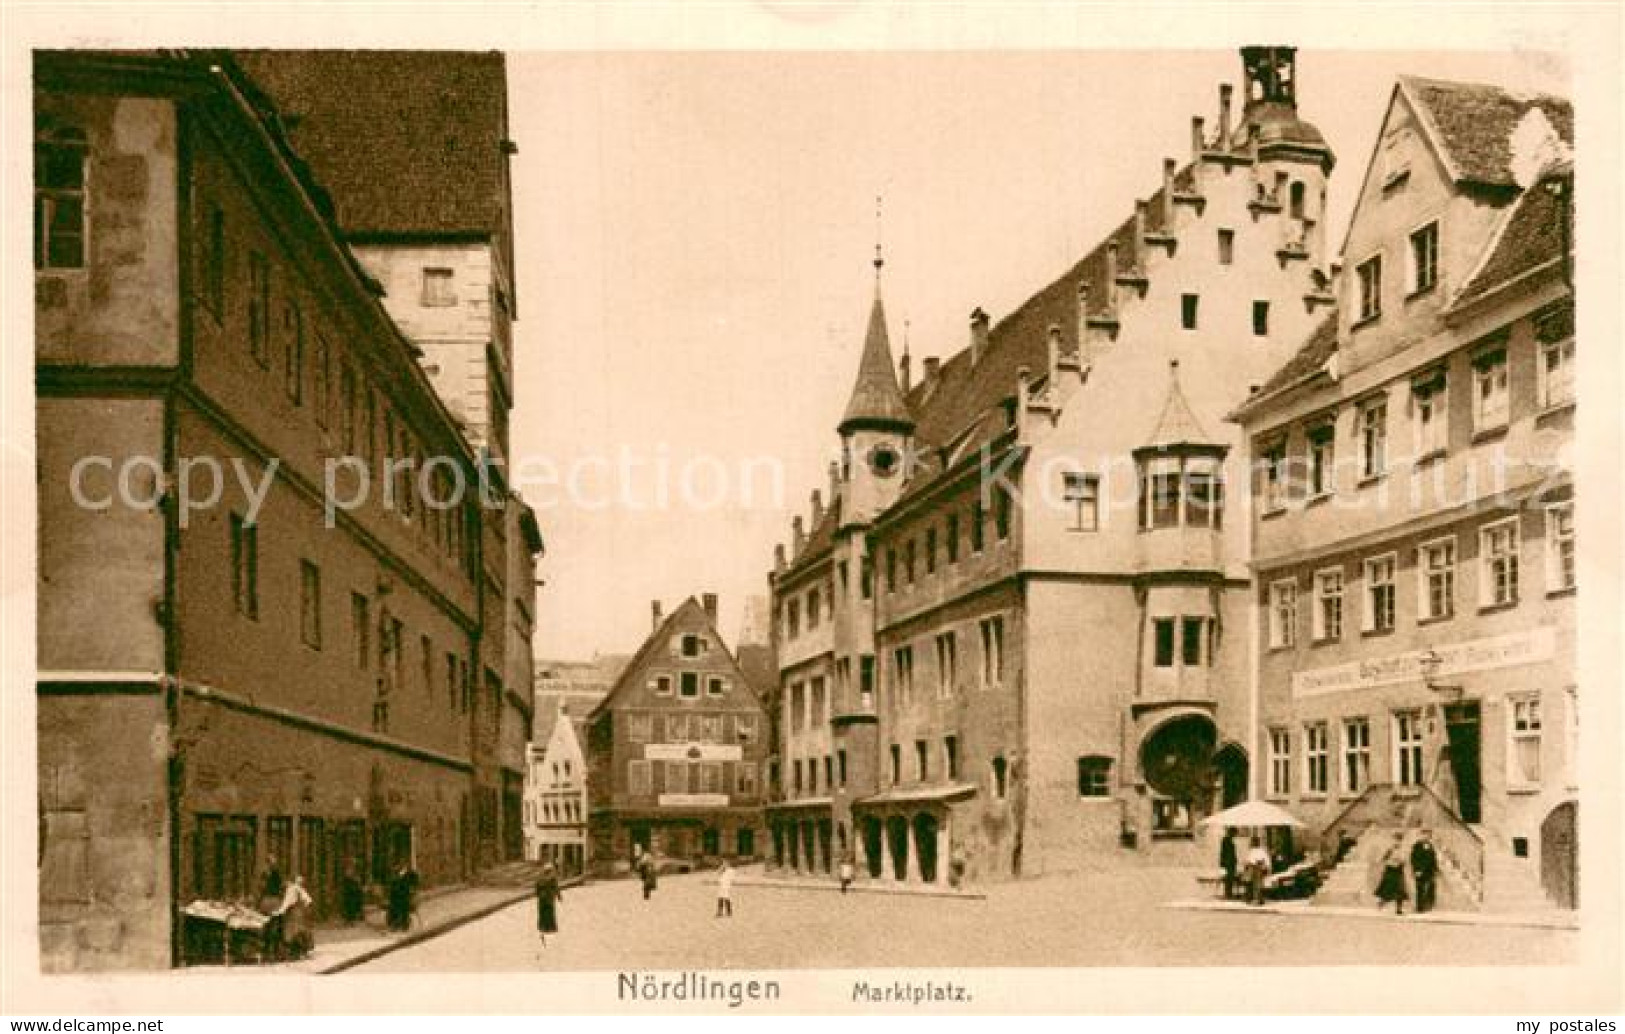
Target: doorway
713,842
1559,855
1230,765
1461,723
873,847
897,833
925,845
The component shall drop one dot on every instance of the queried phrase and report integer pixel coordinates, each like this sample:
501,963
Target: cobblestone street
1108,919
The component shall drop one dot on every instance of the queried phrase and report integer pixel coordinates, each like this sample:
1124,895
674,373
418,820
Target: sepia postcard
813,508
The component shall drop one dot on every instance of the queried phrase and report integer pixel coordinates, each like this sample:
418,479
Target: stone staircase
1353,883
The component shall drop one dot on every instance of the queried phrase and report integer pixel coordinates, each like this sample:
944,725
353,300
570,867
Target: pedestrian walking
1258,867
548,897
1391,887
649,875
1425,870
725,891
1228,861
846,873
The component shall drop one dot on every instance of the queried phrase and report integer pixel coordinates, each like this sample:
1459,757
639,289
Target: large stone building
1012,638
412,149
260,624
1414,509
675,751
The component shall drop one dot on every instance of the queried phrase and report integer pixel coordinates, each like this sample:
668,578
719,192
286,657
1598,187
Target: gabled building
675,751
1413,517
411,149
1013,638
556,798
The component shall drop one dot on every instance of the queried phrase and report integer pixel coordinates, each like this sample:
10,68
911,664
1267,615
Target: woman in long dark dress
547,902
1391,887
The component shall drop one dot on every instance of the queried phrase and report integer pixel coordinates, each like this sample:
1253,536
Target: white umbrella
1252,814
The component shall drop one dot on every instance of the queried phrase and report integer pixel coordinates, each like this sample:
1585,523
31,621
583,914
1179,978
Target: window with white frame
1082,493
1328,617
1322,457
1315,757
1429,413
1374,438
1422,265
992,652
1368,277
1523,740
1498,563
1436,571
1560,574
1490,389
1280,763
1283,621
1408,748
1356,754
1378,615
1556,373
1272,458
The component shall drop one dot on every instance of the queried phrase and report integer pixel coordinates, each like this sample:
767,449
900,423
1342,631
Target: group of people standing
1247,872
1424,862
288,933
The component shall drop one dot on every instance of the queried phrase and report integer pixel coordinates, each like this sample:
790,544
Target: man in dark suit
1228,862
1425,870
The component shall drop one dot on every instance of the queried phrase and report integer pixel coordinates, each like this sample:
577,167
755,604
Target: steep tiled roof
1532,234
1474,123
876,399
407,142
819,539
1316,352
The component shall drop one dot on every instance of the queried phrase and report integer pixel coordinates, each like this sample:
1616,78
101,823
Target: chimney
709,602
654,615
1225,90
778,558
1168,166
817,507
933,368
1140,209
834,482
798,536
1054,357
978,335
1018,416
1196,138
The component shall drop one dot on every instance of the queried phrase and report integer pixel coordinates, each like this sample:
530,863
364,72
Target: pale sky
694,234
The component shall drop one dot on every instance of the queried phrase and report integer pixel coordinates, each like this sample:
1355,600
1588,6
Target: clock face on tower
884,460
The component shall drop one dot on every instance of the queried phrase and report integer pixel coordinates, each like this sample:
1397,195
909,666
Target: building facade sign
693,752
1505,651
693,800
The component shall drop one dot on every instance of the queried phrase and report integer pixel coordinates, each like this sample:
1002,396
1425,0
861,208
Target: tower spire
876,401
